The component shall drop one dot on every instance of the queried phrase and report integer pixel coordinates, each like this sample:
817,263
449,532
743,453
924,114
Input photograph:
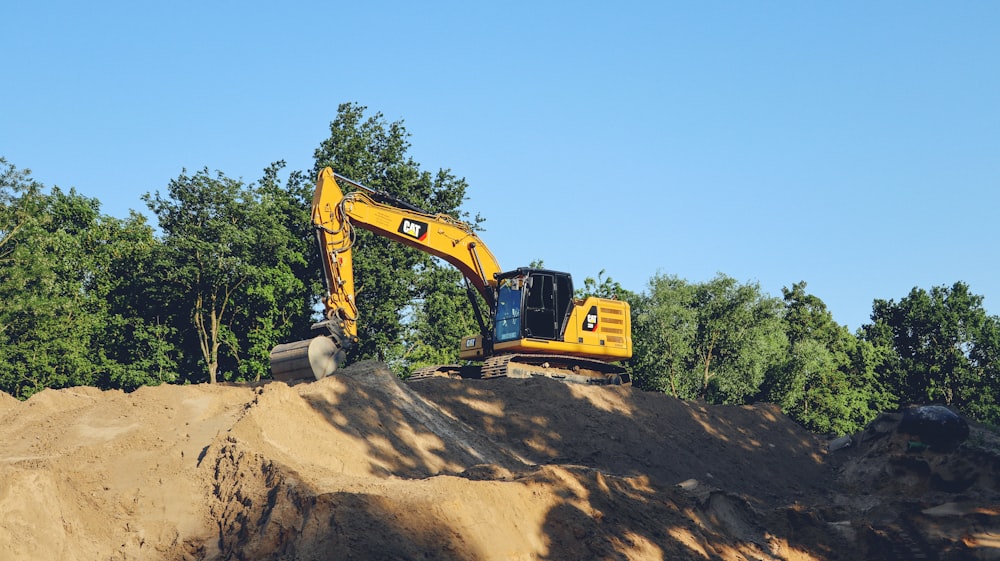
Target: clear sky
852,145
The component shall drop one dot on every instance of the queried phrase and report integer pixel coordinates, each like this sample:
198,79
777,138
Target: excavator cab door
540,307
510,292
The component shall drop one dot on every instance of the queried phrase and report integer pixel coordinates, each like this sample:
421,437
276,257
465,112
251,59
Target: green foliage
204,245
727,342
100,301
940,347
715,341
279,300
739,338
232,269
140,353
826,383
60,258
137,347
440,319
603,287
44,330
664,323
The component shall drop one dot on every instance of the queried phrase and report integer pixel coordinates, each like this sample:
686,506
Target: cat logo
413,228
590,320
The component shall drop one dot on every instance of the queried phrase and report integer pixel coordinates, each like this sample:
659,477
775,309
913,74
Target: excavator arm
334,216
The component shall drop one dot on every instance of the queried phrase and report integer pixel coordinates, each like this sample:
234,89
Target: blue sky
852,145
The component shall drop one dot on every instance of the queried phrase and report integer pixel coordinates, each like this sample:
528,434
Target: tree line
230,269
727,342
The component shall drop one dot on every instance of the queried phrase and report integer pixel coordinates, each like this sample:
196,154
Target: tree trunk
208,337
708,362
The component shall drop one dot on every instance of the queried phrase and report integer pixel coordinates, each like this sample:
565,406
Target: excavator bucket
310,359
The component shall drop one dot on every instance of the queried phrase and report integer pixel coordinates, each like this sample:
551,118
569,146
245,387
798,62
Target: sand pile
363,466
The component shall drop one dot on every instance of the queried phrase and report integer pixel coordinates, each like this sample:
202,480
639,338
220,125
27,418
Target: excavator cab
541,329
536,312
532,303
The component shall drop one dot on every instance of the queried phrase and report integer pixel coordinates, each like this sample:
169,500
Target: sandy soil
363,466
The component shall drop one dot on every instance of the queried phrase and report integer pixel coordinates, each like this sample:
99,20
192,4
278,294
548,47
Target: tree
439,320
73,284
663,332
14,184
739,338
283,292
49,322
393,279
138,343
232,264
825,385
984,357
716,341
945,349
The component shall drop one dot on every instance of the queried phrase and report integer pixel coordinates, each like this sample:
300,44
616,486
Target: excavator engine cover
314,358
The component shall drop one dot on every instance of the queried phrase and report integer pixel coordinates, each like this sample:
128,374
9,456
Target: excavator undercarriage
567,369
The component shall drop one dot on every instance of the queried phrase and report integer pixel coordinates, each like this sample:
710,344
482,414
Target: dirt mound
363,466
754,451
918,500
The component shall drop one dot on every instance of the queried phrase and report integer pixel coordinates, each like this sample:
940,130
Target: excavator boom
440,235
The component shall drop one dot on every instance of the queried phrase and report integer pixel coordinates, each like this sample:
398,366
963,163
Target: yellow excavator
535,325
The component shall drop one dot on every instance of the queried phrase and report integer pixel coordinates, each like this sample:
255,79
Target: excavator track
567,369
523,365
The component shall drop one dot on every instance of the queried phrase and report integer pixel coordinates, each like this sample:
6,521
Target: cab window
508,322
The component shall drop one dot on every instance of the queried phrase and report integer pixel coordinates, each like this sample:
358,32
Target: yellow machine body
533,317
